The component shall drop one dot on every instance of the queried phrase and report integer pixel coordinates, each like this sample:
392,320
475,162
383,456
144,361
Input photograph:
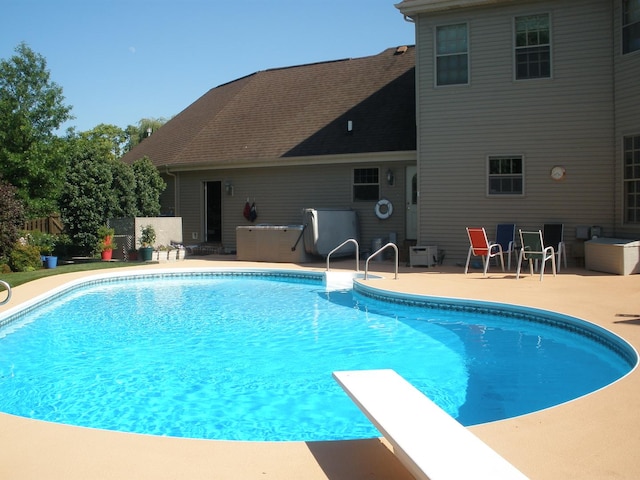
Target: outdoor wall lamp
228,187
390,177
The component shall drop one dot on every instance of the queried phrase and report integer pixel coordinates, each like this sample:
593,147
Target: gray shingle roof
299,111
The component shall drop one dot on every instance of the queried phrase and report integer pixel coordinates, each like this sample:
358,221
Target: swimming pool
227,368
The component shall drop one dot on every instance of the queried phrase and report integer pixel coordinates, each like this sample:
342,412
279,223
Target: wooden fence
51,224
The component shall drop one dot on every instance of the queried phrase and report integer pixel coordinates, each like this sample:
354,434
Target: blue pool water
250,357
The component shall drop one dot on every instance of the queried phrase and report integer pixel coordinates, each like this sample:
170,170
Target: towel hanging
247,210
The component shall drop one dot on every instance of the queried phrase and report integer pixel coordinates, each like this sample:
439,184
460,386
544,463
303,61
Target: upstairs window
366,184
452,57
505,175
631,155
630,26
532,47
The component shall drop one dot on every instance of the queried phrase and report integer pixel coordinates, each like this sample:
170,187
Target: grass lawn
18,278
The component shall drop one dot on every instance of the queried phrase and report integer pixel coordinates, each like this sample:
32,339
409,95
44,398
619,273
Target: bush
11,218
25,258
45,242
4,267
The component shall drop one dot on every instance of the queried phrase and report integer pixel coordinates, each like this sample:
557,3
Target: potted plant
106,245
160,253
45,242
147,240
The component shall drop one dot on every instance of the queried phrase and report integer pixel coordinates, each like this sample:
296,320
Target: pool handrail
349,240
390,244
8,288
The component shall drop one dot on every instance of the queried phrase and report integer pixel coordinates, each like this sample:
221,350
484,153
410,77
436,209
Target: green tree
99,186
110,139
11,218
87,198
145,128
109,142
124,188
149,186
31,110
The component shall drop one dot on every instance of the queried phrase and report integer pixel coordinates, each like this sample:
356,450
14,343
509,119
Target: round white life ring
384,209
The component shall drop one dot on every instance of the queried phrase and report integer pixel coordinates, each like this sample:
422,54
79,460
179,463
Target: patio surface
594,437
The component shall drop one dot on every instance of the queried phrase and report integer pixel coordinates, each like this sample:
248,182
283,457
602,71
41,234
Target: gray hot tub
271,243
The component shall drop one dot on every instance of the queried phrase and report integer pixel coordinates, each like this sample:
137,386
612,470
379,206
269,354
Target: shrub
11,217
45,242
25,258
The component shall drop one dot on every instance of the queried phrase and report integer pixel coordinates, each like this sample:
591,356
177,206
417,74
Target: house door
411,195
213,211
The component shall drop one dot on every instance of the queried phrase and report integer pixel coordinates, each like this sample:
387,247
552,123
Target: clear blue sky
119,61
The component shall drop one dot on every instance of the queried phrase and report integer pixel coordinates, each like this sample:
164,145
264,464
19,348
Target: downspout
175,190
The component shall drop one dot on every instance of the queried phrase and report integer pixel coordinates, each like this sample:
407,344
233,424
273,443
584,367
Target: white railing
388,245
350,240
8,288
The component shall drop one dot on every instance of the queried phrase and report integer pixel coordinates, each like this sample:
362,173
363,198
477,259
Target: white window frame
517,48
631,178
630,24
437,55
365,184
508,176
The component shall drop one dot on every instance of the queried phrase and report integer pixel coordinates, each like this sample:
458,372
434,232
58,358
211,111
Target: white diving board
429,442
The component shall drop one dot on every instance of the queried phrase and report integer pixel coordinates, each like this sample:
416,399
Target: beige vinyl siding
565,120
168,197
280,194
627,100
191,204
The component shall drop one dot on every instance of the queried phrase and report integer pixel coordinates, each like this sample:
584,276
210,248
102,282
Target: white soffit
413,7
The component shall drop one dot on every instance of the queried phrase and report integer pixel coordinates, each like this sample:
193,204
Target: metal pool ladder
8,288
350,240
388,245
366,268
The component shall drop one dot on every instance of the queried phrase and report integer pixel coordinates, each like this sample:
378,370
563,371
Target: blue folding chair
506,238
553,235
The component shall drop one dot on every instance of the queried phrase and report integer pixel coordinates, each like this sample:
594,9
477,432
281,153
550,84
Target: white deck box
425,256
612,255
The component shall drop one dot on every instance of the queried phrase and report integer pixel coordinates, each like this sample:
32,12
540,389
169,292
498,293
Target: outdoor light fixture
390,177
228,187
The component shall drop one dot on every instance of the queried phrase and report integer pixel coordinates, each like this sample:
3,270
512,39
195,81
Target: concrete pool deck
594,437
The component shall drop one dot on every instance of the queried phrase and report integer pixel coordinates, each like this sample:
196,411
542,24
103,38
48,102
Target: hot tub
271,243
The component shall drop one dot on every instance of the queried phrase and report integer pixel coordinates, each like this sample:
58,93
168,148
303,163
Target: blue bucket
50,261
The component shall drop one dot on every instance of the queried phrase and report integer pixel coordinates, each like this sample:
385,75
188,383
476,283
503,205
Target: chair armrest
494,245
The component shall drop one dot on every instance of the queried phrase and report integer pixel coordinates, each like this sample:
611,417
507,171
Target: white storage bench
612,255
425,256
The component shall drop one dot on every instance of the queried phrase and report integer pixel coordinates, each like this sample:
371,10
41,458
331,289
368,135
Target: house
337,134
527,112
